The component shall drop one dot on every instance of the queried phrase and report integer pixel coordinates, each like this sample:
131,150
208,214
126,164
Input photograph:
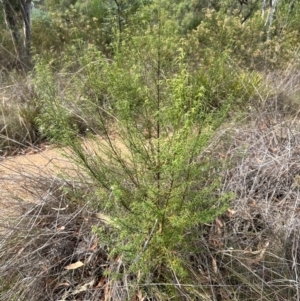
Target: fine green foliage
53,122
152,178
251,45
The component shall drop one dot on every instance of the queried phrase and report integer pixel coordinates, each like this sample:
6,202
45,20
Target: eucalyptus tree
17,14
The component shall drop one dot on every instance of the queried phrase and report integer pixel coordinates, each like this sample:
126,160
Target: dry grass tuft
39,250
18,110
255,245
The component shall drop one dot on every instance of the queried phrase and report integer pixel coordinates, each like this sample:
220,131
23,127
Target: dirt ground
17,171
18,174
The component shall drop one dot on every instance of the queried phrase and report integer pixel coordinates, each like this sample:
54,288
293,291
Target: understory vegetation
180,123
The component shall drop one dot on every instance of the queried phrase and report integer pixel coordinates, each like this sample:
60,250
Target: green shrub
47,36
147,166
54,123
224,81
248,44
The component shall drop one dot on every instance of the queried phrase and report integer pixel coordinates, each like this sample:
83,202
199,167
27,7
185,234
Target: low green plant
54,123
224,81
153,181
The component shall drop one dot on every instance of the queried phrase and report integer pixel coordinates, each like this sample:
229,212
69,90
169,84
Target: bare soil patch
18,174
17,171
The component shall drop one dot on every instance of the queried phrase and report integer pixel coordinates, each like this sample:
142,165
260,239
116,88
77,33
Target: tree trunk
11,21
26,7
271,17
11,9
